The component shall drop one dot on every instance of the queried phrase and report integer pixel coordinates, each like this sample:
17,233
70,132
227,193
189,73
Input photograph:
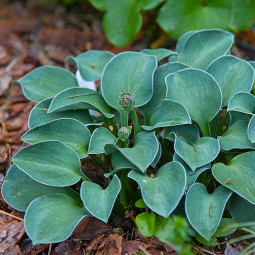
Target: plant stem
124,118
84,178
100,163
205,130
223,122
135,122
123,195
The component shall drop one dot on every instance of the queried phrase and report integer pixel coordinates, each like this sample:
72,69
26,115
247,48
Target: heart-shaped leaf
99,138
99,202
159,88
45,82
39,116
70,132
159,53
129,72
163,192
50,163
191,176
19,190
80,98
236,137
91,63
204,46
241,210
169,113
242,102
145,223
251,129
189,132
142,154
204,210
238,175
202,152
193,88
52,218
233,75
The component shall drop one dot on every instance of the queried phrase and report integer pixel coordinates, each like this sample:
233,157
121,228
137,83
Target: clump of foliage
191,154
174,17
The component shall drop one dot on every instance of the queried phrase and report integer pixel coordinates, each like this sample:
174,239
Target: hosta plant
173,139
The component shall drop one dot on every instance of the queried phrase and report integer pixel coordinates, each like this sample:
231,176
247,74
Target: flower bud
126,102
124,133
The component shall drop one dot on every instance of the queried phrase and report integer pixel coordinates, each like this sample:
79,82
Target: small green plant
174,17
192,152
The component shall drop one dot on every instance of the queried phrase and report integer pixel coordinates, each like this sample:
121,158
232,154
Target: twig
16,217
50,246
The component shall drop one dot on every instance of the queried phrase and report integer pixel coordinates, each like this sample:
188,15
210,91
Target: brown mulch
32,35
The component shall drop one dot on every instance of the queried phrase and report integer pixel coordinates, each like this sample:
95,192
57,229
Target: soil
31,35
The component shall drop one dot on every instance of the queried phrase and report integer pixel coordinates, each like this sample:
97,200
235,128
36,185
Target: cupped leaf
236,137
169,113
50,163
241,210
52,218
251,130
237,116
100,202
202,152
159,53
242,102
79,98
157,158
70,132
91,63
183,39
233,75
142,154
204,46
19,190
163,192
45,82
99,138
193,89
129,72
39,116
227,227
189,131
145,223
191,176
238,175
159,88
204,210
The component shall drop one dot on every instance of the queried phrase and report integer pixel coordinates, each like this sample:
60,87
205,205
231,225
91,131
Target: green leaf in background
100,4
39,116
19,190
241,210
227,227
163,192
202,47
191,176
212,242
100,137
159,53
129,72
91,63
50,163
52,218
242,102
202,152
169,113
189,131
251,130
233,75
145,223
142,154
238,175
80,98
178,17
159,88
236,137
70,132
148,4
45,82
204,210
140,204
193,88
105,199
